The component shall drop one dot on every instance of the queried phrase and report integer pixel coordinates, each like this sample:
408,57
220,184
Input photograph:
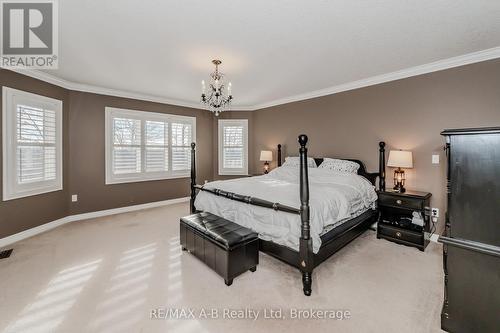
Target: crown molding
435,66
439,65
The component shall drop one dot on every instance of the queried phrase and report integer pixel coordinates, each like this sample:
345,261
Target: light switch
74,198
435,159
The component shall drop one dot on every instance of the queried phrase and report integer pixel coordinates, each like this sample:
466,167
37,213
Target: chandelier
217,99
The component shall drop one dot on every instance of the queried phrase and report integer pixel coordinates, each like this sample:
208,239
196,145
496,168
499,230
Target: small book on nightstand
404,217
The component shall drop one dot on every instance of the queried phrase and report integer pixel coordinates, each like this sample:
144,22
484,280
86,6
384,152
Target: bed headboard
371,176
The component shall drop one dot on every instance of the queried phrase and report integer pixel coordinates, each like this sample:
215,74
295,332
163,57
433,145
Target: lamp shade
266,155
400,159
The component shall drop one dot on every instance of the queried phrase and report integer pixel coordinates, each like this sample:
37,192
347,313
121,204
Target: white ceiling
271,50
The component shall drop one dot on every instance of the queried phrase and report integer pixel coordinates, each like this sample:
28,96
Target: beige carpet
108,274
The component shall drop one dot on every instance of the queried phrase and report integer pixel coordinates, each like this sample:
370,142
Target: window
144,146
32,144
233,147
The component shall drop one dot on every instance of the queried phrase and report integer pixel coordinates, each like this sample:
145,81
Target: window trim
111,112
232,172
12,190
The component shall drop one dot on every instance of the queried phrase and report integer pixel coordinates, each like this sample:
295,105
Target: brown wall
25,213
406,114
87,155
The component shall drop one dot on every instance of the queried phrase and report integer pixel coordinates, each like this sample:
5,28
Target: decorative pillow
295,162
339,165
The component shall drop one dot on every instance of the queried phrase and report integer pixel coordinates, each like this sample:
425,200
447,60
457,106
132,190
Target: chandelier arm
211,94
208,98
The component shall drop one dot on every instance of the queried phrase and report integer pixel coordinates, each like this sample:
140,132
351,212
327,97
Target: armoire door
474,210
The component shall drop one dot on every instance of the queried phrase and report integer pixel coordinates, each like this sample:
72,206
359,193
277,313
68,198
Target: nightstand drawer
400,202
401,234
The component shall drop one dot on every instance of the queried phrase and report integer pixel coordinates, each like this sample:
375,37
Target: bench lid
224,232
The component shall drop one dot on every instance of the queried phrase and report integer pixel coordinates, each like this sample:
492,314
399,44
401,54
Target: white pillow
339,165
295,162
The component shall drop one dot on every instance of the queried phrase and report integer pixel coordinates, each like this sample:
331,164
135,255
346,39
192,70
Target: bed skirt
331,241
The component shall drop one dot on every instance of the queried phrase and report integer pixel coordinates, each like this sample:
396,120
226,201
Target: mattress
334,198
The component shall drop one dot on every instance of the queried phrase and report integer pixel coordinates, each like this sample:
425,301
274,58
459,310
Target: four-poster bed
303,257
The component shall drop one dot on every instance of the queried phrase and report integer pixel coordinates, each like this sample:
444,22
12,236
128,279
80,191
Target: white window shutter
156,150
181,143
127,146
233,147
36,144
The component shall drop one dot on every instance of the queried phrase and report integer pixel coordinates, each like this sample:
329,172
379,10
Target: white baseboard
85,216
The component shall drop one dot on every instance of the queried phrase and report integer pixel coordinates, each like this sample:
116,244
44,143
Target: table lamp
266,156
400,159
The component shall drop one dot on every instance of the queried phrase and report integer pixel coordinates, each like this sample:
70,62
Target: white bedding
334,198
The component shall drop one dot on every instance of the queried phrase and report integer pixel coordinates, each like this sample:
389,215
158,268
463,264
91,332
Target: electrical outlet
435,159
74,198
435,212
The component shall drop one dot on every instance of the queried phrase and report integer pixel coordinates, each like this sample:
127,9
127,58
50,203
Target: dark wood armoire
471,241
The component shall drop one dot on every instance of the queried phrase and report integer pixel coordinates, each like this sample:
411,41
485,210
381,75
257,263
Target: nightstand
395,220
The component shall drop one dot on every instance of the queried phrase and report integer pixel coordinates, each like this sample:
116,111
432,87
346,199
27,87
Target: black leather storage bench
226,247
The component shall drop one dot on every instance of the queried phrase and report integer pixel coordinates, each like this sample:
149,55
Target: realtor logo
29,34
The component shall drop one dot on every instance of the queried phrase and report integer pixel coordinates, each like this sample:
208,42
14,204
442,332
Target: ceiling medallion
217,99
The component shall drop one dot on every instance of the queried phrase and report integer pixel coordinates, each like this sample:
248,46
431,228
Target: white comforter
334,198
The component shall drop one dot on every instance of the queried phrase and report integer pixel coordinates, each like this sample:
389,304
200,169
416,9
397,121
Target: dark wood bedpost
279,155
305,251
193,177
381,166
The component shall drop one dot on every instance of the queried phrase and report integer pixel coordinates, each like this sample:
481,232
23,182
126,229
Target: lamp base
399,180
399,188
266,167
